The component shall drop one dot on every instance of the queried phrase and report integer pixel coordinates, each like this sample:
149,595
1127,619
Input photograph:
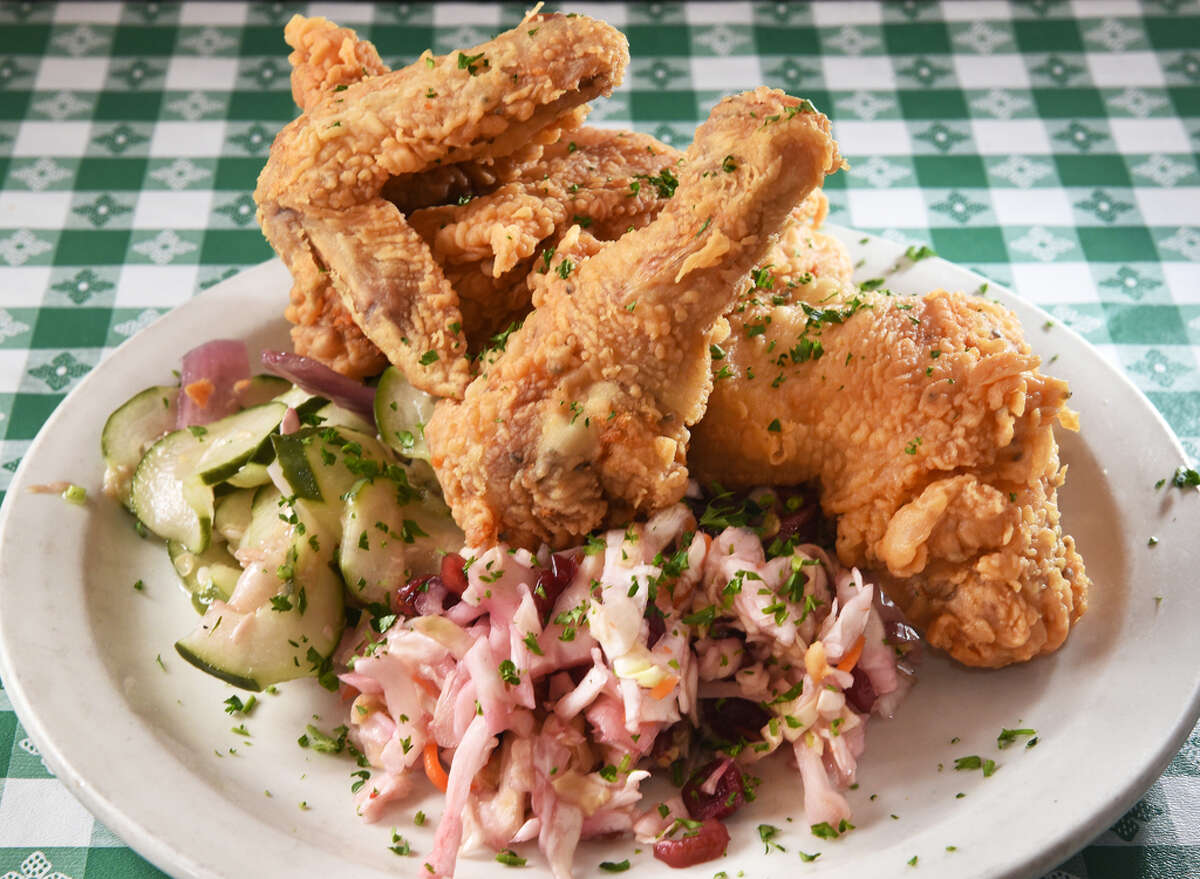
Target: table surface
1051,146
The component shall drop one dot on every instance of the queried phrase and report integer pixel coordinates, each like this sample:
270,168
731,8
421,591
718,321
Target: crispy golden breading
929,428
319,195
325,56
607,181
586,412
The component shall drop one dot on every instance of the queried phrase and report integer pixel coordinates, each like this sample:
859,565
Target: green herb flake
916,253
1008,736
767,833
775,426
469,62
399,845
807,858
509,858
615,866
428,357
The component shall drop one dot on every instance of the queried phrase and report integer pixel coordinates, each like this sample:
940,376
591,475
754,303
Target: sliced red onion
207,378
319,379
290,422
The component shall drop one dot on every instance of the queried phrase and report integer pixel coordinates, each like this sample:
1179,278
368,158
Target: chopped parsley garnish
728,165
531,643
916,253
469,62
767,833
615,866
775,426
1185,477
509,673
974,761
872,284
399,845
428,357
807,858
564,268
509,858
1008,736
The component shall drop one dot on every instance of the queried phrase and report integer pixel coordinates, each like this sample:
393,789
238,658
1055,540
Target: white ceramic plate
147,748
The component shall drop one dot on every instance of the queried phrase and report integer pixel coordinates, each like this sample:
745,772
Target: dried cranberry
862,693
552,581
695,846
733,719
658,625
404,599
727,797
453,574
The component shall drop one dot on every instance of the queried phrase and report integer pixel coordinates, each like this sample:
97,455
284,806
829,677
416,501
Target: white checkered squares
41,812
862,72
1017,207
734,73
34,210
976,10
471,14
1183,280
87,13
1149,136
149,286
704,13
894,208
188,73
56,73
999,137
22,288
1055,282
198,14
346,14
1179,206
833,14
884,137
159,209
193,139
991,71
1121,69
36,139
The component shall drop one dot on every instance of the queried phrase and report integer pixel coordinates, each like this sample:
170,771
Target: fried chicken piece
930,430
609,181
586,412
804,251
319,195
325,56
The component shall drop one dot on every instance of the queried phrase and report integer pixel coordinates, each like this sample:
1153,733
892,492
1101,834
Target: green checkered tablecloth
1052,146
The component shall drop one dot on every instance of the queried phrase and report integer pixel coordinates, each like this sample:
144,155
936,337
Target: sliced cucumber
232,516
172,487
390,534
285,616
321,464
333,415
236,440
132,428
206,576
251,475
265,512
259,389
402,411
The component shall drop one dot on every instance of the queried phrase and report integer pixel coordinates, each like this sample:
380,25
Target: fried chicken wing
607,181
586,412
320,199
325,56
930,430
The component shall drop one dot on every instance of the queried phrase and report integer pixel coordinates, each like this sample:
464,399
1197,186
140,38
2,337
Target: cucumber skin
400,407
143,419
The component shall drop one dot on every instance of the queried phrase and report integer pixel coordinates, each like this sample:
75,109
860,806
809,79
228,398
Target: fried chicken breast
586,412
929,428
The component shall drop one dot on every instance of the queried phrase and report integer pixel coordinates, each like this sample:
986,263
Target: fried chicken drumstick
930,430
586,413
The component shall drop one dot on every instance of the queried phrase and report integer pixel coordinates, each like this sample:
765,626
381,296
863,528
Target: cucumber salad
538,689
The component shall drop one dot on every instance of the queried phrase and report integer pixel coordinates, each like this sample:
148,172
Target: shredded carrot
664,687
200,392
433,767
852,655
